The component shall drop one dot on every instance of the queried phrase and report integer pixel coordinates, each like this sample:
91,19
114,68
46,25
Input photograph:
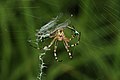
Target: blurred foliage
95,58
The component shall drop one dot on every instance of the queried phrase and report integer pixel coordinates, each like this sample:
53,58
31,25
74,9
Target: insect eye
39,33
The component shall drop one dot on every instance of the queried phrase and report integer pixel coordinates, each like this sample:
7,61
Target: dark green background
95,58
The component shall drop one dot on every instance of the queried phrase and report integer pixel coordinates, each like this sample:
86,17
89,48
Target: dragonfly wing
61,25
51,24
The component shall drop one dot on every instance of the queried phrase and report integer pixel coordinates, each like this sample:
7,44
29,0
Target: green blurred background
95,58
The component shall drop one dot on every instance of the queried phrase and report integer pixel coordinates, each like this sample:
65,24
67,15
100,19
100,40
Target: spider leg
55,48
73,36
77,40
76,33
52,42
47,47
66,46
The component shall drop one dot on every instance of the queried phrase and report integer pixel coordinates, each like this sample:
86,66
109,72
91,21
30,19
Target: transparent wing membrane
51,27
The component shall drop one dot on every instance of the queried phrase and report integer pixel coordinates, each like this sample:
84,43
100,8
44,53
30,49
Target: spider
60,36
56,31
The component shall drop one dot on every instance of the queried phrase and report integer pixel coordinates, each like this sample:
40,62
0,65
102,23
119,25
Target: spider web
96,40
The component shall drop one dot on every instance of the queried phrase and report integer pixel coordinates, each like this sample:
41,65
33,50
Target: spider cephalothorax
60,35
56,31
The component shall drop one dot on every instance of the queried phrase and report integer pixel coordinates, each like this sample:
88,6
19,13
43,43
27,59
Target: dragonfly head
42,36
